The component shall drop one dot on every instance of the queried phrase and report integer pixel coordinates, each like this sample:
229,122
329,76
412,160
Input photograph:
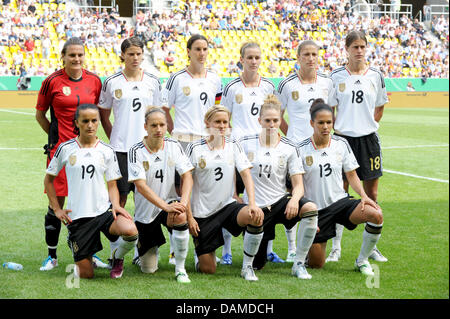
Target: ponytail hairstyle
153,109
127,43
215,109
246,46
270,103
80,108
71,41
317,106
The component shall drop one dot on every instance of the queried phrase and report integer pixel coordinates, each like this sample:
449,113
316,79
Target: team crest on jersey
309,160
281,161
239,98
202,162
72,159
66,90
118,93
170,162
295,95
341,87
146,165
251,156
186,90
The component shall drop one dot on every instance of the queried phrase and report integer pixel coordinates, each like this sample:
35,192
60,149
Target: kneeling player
151,166
273,157
324,158
92,208
215,159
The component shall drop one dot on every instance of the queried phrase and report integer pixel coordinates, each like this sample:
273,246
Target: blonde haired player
213,207
273,158
151,167
244,96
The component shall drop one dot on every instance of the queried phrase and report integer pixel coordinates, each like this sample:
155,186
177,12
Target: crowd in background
396,46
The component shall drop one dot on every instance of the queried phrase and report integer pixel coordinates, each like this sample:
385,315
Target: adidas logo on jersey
87,155
324,154
358,82
157,159
267,154
253,93
311,89
135,88
217,157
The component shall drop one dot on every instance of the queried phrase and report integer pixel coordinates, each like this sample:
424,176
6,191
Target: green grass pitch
413,193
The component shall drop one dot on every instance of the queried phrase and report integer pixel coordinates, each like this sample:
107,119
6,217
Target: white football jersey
270,167
297,98
356,97
86,170
214,175
244,104
323,170
158,170
129,101
191,99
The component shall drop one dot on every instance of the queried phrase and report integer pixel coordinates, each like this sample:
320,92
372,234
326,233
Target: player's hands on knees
367,201
176,208
256,214
63,216
120,211
291,209
193,227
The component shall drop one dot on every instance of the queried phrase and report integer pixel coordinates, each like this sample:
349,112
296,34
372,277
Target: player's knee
179,219
375,216
149,261
308,207
207,268
129,230
316,263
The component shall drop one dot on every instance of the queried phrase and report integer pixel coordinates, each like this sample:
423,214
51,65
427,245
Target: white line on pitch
413,146
20,148
416,176
17,112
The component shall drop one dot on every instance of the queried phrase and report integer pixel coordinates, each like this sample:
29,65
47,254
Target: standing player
325,157
296,94
215,159
274,157
61,93
92,208
127,93
192,91
359,98
151,166
244,96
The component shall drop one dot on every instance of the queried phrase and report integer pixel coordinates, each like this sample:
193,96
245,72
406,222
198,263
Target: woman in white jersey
273,158
127,93
192,91
212,206
296,93
299,89
325,157
151,166
244,96
359,97
92,207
